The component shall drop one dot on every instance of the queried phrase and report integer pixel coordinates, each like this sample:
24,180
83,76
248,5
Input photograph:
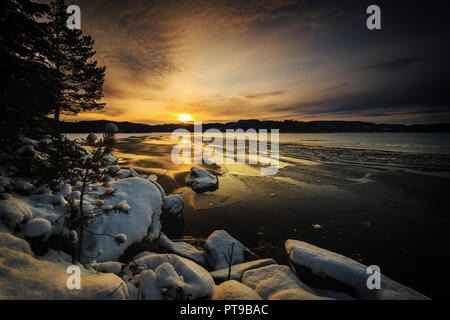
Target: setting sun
184,117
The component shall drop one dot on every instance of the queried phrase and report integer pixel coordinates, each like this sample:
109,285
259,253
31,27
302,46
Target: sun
184,117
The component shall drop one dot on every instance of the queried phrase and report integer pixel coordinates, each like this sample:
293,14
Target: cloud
148,41
339,86
394,64
263,95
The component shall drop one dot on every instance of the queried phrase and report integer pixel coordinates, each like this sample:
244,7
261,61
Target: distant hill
285,126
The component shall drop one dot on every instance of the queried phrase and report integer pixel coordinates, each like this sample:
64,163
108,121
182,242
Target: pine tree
28,83
81,79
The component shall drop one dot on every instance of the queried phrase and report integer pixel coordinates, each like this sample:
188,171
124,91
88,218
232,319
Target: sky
222,61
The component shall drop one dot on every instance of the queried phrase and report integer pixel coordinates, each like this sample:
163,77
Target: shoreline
340,196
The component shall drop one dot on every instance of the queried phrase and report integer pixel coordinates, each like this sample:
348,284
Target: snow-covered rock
183,249
23,186
142,254
133,173
160,188
107,267
9,241
37,227
124,173
173,204
333,271
238,270
277,282
233,290
24,277
218,245
201,180
169,281
14,211
142,220
149,289
197,282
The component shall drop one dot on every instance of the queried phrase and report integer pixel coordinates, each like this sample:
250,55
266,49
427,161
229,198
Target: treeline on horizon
286,126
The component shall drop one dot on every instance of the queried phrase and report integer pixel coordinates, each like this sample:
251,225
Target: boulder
13,211
108,267
324,269
277,282
218,246
182,249
201,180
238,270
37,227
24,277
192,279
233,290
149,289
173,204
8,241
141,221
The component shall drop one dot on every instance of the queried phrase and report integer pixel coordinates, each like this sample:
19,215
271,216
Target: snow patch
233,290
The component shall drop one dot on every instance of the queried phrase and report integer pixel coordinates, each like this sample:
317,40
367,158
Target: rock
197,282
276,282
149,289
108,267
9,241
233,290
14,211
238,270
170,283
26,278
133,173
218,245
124,173
201,180
173,204
324,269
37,227
113,170
143,254
142,220
183,249
160,188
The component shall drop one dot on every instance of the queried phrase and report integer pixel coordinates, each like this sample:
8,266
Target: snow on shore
131,208
144,202
311,261
23,276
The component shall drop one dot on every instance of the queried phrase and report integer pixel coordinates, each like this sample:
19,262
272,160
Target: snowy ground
131,207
